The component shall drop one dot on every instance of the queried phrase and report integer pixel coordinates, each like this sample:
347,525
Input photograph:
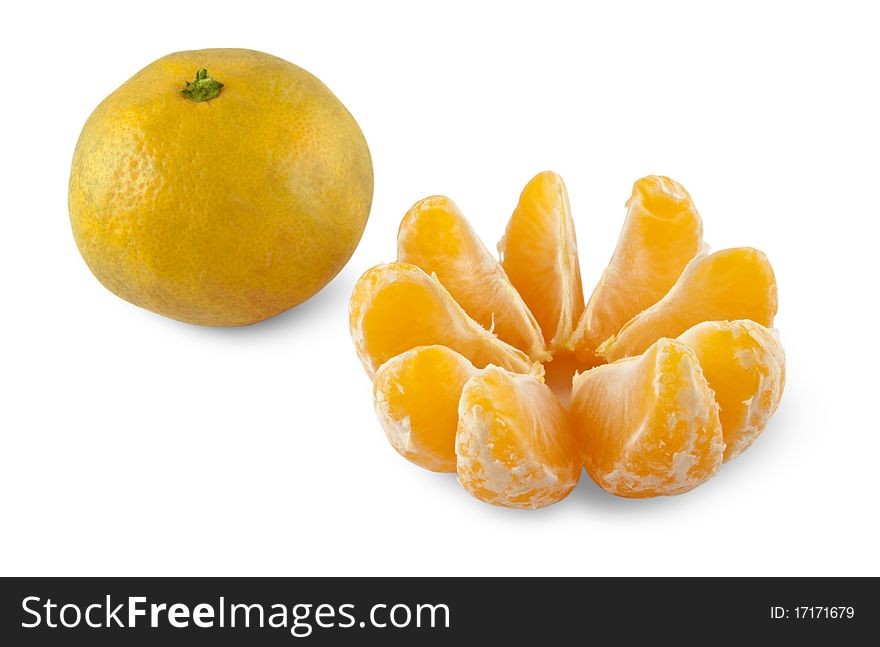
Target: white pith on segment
564,278
465,334
474,277
693,418
762,358
425,376
522,477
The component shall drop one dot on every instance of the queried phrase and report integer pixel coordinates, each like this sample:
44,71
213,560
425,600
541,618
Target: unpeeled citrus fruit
539,254
648,425
416,396
435,236
514,446
662,232
219,187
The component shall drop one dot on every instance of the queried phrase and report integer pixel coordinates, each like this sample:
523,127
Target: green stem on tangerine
203,88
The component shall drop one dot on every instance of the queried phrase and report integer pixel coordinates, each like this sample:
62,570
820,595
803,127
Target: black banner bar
431,611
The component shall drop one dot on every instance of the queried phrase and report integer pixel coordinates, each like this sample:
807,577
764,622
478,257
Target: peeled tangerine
539,254
730,284
648,425
396,307
457,341
514,446
416,396
662,422
661,234
744,364
435,236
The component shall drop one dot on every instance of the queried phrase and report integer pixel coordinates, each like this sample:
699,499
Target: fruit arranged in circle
396,307
219,187
435,236
514,447
539,254
730,284
456,339
661,234
416,395
744,364
648,425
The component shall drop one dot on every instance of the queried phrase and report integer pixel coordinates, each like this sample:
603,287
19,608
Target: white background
133,444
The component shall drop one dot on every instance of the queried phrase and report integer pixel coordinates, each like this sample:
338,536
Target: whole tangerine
224,199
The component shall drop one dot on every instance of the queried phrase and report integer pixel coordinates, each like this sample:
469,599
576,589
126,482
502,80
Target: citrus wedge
730,284
458,343
435,236
648,425
416,395
744,364
514,446
661,234
396,306
539,254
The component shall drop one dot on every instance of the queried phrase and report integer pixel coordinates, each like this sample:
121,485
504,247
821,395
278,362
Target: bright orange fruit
396,307
435,236
648,425
744,364
416,395
219,187
514,446
730,284
659,419
539,254
661,234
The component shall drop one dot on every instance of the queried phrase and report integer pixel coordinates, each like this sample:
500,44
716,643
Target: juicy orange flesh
662,232
416,395
730,284
539,254
435,236
514,444
419,304
648,425
745,365
396,307
658,420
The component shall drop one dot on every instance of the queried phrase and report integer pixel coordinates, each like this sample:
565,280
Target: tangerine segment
435,236
416,396
648,425
744,364
539,254
733,283
514,446
396,307
662,232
